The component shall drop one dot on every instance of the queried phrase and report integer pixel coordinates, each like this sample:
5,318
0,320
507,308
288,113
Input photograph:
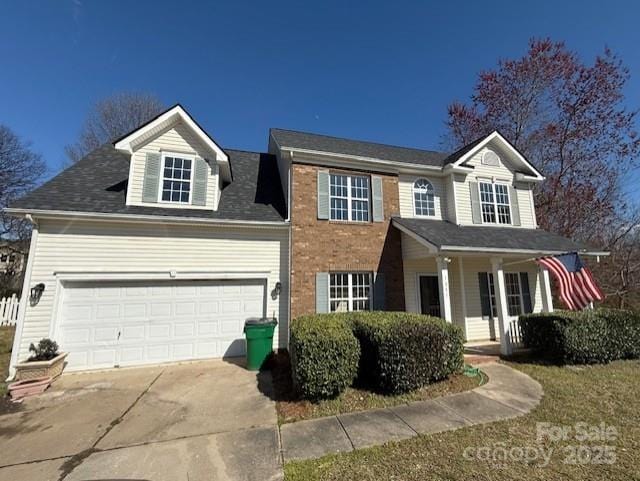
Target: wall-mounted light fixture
36,293
278,288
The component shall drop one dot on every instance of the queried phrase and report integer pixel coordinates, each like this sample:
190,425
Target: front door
429,295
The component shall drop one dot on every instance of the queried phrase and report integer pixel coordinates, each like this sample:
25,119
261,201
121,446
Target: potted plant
45,362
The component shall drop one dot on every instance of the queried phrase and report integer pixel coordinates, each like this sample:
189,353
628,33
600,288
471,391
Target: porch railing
515,334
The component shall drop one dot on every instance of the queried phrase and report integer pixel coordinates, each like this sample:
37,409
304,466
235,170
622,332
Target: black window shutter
526,294
485,301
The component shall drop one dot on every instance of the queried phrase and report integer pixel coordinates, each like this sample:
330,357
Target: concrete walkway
509,393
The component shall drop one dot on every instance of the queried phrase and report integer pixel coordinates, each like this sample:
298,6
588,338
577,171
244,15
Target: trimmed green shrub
584,337
324,355
403,351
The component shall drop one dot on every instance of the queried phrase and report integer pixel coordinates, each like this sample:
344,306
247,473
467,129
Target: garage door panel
186,329
106,311
158,353
104,357
186,308
77,313
208,307
79,335
133,333
164,321
132,311
159,331
105,334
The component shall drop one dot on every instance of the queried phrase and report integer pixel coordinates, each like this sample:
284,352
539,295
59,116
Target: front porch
483,294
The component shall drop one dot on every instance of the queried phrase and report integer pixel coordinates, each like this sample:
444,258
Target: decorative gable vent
490,158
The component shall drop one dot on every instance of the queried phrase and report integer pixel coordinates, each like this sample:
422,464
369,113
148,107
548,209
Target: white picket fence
9,307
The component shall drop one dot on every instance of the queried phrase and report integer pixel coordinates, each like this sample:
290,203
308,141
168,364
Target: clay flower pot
21,389
27,370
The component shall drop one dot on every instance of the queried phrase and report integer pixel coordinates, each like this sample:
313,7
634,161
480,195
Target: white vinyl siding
503,173
405,190
139,249
177,140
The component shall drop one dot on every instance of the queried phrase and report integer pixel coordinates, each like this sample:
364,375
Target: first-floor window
350,291
516,291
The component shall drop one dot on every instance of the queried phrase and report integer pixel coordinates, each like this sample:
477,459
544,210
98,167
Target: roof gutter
151,219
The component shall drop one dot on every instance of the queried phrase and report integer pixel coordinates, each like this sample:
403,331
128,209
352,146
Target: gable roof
446,236
338,145
460,157
131,141
98,184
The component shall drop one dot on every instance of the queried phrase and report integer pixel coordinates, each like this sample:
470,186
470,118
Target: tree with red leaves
569,119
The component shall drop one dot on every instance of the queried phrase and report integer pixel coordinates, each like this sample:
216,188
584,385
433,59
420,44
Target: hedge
392,352
584,337
402,351
324,355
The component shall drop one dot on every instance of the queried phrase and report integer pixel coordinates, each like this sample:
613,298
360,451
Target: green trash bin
259,334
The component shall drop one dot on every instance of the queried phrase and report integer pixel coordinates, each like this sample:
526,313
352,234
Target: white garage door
124,324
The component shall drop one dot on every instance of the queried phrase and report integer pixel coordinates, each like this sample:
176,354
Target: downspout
24,297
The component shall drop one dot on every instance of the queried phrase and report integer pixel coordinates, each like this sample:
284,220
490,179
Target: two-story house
156,248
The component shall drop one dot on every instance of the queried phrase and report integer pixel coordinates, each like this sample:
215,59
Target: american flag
577,286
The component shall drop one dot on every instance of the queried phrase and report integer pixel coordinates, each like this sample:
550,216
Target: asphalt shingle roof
98,183
443,233
338,145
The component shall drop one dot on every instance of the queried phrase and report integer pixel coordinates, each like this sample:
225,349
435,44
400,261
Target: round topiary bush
324,355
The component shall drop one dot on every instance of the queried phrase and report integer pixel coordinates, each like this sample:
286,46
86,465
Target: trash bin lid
260,321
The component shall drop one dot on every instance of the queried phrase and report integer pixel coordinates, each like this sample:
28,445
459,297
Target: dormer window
177,178
424,198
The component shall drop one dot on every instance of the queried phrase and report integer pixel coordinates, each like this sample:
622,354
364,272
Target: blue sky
382,71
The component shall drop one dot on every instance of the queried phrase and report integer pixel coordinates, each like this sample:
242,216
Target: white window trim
413,198
493,184
179,155
521,296
350,198
350,299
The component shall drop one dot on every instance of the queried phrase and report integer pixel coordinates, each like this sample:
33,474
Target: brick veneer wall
325,246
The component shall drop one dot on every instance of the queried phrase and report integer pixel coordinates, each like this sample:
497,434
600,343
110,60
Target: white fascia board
498,250
150,219
520,177
432,248
359,162
458,169
175,114
496,135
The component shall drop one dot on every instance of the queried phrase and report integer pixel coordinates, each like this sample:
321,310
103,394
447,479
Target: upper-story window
349,196
177,179
424,198
494,200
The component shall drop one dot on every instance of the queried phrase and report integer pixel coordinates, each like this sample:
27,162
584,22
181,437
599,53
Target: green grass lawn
6,340
607,394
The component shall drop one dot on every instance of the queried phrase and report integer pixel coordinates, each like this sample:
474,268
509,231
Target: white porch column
545,287
501,305
443,287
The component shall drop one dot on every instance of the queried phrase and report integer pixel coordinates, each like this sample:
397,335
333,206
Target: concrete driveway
210,420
